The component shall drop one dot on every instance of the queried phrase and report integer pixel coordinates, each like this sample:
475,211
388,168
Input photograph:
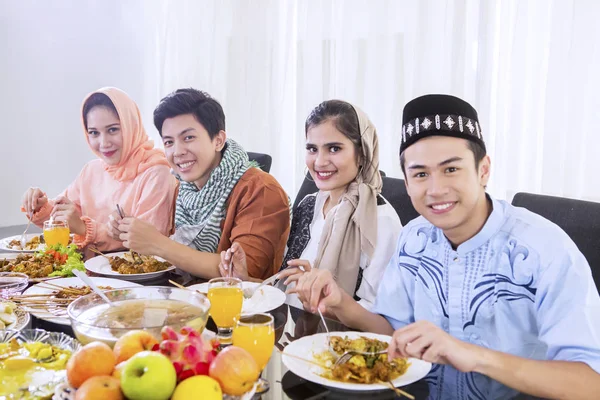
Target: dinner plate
12,256
101,266
58,316
4,243
306,347
22,321
266,299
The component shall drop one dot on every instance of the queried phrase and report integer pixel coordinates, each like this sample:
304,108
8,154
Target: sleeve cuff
90,233
42,214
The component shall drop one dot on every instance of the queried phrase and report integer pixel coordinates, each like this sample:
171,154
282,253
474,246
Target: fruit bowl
144,307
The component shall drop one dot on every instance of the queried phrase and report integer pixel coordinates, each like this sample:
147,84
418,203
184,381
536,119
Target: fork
249,292
133,253
328,335
23,238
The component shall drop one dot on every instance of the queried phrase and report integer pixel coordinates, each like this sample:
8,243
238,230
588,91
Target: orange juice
257,340
225,305
56,235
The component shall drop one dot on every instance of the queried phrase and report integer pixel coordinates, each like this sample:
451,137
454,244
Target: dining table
291,323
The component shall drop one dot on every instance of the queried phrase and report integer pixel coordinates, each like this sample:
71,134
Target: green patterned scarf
199,212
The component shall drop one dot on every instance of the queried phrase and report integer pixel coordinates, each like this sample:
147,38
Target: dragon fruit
190,353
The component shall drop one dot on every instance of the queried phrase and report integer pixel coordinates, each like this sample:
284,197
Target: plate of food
12,316
35,242
49,300
310,358
129,266
50,263
267,298
33,362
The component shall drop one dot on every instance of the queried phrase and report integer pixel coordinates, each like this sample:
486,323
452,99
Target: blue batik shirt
519,286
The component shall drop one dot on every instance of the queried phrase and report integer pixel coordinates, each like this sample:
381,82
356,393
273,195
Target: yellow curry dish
31,370
361,368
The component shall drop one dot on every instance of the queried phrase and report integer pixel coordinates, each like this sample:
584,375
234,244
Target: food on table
32,244
53,261
100,388
160,374
235,370
190,388
132,343
31,369
188,351
75,292
8,317
107,324
93,359
148,375
361,368
132,263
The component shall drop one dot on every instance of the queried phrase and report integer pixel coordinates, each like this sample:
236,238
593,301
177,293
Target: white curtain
529,67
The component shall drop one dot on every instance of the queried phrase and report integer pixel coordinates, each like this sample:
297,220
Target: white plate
22,321
268,297
4,243
307,346
101,266
51,314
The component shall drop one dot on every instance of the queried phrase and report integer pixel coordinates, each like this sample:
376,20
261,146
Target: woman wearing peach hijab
129,171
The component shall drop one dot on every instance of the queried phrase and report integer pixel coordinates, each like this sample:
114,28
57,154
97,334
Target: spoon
88,281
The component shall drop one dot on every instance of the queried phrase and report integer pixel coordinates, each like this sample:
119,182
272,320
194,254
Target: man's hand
427,342
234,260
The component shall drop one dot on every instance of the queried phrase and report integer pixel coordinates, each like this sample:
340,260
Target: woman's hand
33,199
65,210
296,268
114,220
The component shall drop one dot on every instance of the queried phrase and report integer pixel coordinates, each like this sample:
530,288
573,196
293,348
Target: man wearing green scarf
222,198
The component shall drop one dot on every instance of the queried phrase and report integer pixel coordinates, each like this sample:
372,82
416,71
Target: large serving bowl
145,307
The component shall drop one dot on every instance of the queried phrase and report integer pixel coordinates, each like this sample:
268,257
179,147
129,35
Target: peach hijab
138,153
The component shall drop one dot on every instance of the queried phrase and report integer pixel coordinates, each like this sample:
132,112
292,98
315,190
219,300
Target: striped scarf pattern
199,212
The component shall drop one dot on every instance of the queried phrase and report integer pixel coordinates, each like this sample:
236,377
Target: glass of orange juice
256,334
226,298
56,232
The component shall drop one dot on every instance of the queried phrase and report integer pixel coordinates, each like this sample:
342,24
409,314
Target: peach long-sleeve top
150,196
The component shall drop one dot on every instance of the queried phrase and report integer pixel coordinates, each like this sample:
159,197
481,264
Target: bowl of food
145,307
33,362
12,283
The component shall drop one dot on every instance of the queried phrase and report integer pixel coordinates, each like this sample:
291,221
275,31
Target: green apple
148,375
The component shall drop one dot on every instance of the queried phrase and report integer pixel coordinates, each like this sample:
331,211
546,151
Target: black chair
308,187
263,160
395,193
579,219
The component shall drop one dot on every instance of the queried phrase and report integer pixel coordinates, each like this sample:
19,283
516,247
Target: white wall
52,54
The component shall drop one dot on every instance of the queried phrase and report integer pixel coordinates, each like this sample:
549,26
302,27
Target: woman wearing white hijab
347,226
